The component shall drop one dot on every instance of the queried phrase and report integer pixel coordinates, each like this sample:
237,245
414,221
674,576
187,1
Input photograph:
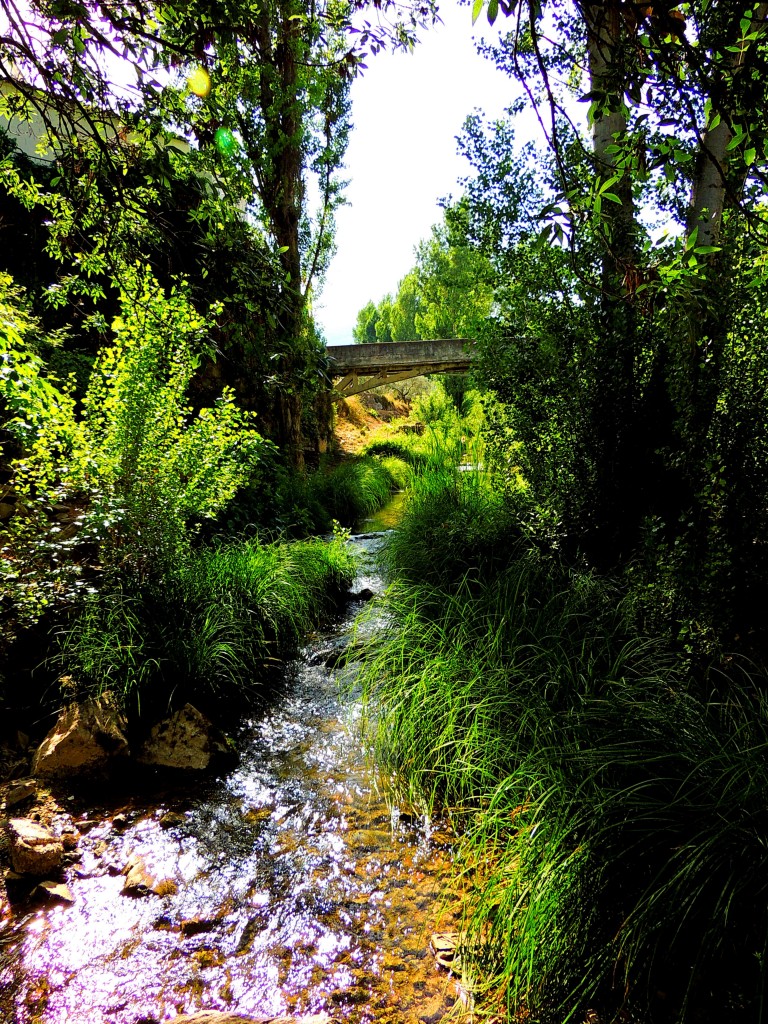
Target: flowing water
290,885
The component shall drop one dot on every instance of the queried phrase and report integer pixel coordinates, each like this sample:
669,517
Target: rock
366,594
18,792
198,925
86,738
85,824
69,840
55,891
186,740
34,849
445,946
140,881
172,819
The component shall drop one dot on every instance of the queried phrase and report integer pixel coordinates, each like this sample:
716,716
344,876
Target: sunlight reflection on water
292,885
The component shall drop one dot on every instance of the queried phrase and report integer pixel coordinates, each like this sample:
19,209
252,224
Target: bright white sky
407,110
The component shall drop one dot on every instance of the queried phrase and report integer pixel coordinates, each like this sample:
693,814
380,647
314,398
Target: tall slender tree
676,97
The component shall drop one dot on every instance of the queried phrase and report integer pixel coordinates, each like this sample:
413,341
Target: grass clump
301,504
213,628
614,810
354,489
406,447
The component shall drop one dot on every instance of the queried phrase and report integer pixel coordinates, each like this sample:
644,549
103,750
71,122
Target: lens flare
199,82
225,141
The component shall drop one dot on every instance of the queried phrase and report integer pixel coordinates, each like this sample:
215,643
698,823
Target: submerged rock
34,849
85,739
141,881
186,740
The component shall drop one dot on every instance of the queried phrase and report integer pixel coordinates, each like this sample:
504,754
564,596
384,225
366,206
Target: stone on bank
85,740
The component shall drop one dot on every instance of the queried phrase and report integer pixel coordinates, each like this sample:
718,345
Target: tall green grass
211,628
296,504
354,489
614,811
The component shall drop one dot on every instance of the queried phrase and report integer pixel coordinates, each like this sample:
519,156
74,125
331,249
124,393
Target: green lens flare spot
225,141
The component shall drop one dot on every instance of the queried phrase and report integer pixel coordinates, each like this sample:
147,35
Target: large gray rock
85,740
186,740
34,849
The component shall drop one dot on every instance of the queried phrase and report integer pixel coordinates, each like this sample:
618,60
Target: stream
293,884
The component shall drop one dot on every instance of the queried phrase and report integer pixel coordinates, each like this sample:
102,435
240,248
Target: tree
676,101
263,91
446,295
454,280
364,331
405,309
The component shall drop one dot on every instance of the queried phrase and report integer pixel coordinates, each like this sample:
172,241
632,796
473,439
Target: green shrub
136,466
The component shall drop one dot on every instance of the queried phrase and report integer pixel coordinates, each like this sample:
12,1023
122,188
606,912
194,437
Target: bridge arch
358,368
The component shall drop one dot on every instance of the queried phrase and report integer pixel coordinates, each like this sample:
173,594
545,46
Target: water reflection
290,885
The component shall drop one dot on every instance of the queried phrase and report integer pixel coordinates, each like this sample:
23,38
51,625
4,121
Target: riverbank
610,793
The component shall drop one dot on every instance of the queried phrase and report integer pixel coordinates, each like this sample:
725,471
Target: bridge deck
385,363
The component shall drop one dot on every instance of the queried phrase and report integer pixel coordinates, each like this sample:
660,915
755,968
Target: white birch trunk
709,188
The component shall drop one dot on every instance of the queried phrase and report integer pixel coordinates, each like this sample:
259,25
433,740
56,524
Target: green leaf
749,156
607,184
477,8
493,10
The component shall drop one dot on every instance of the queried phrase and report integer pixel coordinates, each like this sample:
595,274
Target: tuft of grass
212,628
354,489
400,472
455,525
406,447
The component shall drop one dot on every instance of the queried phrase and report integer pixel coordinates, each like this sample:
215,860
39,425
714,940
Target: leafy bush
135,466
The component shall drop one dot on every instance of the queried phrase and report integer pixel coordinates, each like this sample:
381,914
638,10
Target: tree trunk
282,194
614,509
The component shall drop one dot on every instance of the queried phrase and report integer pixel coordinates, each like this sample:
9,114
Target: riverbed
294,883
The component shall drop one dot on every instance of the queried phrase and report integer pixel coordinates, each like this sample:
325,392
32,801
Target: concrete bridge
363,367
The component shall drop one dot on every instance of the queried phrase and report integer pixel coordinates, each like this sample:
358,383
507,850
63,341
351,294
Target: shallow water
387,517
291,884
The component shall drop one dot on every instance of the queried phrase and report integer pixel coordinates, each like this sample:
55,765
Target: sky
407,110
